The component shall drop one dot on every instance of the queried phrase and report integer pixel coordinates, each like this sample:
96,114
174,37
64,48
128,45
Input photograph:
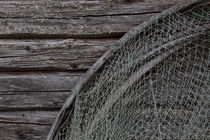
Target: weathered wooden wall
46,46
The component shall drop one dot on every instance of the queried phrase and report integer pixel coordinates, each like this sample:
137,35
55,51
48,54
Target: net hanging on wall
154,83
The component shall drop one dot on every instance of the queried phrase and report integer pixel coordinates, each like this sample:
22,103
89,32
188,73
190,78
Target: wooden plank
70,54
28,117
25,125
80,8
84,19
32,101
23,131
86,27
40,81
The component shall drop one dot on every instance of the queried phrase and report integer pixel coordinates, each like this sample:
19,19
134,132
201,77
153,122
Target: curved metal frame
65,110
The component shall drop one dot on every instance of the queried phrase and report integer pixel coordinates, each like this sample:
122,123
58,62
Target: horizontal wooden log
83,19
32,101
32,82
28,117
23,131
86,27
70,54
25,125
68,8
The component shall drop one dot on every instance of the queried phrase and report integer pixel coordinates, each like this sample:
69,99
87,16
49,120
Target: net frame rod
63,113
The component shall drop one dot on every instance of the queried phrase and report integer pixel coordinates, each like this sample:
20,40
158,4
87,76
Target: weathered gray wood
40,81
84,19
23,131
25,125
70,54
32,101
86,27
28,117
80,8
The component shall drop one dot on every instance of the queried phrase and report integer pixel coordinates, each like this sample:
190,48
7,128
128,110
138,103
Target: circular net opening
155,86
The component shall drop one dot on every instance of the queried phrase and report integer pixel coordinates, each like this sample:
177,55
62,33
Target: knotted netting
156,85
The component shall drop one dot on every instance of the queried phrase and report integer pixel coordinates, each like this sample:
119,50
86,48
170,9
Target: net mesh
155,86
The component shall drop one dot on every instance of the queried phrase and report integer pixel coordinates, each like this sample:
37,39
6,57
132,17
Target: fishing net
156,85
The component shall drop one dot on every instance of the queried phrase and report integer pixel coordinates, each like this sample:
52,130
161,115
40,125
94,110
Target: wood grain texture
32,82
28,117
25,125
83,19
51,55
23,131
33,101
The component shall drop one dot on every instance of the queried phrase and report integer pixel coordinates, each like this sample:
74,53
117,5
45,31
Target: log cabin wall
45,48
